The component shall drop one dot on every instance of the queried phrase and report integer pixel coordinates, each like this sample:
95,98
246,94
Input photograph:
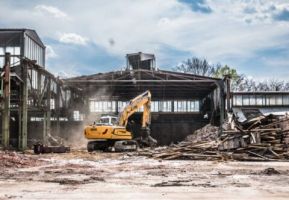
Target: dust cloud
75,135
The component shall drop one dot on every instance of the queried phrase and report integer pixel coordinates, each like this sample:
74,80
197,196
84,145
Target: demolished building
246,105
181,103
35,103
40,103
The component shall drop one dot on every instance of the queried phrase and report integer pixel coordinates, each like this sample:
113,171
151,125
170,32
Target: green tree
221,72
238,81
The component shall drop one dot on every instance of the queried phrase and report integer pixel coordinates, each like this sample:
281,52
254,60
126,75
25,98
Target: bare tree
197,66
244,84
263,86
250,85
276,85
286,86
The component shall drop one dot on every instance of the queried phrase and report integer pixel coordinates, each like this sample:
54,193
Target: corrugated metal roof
12,36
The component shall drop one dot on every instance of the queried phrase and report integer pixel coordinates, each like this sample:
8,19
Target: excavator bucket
146,140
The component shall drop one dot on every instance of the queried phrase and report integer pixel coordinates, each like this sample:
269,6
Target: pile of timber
264,138
185,150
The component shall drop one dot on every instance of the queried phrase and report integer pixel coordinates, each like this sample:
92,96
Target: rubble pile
207,133
263,138
10,159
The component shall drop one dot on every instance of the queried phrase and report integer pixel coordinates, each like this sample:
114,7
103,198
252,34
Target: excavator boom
142,100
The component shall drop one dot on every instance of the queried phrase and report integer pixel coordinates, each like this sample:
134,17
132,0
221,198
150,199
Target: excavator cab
106,120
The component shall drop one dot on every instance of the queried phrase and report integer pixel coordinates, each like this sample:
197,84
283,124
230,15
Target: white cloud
50,10
66,74
233,32
72,38
50,53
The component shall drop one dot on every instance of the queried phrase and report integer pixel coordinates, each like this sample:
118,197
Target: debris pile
186,150
207,133
10,159
56,145
263,138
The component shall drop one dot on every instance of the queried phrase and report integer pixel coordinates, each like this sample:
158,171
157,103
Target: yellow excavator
110,133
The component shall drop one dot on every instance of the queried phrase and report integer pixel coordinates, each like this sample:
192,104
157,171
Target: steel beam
139,81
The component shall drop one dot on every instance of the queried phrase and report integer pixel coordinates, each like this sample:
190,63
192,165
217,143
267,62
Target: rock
270,171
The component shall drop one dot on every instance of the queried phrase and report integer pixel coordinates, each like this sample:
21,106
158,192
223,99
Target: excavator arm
142,100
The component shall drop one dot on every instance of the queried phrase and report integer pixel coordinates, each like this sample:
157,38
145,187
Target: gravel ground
82,175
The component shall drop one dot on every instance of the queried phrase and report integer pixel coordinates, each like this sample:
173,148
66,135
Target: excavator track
99,146
125,145
117,146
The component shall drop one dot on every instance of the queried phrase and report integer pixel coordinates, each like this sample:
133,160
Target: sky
92,36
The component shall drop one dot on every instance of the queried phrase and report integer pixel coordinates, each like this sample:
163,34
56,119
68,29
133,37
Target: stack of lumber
264,138
186,150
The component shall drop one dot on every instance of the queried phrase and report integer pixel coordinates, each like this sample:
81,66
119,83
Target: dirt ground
82,175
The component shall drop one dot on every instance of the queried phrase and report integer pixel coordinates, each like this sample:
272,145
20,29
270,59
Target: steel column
6,106
47,113
57,108
23,110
